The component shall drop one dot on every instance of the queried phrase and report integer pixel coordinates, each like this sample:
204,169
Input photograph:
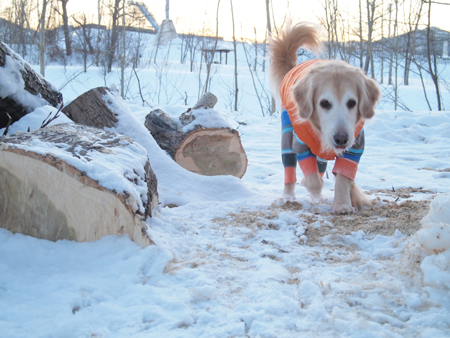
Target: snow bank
431,244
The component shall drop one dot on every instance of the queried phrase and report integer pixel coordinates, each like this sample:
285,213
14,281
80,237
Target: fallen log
199,140
75,182
91,109
22,90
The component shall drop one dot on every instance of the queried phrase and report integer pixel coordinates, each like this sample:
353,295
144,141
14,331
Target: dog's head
334,97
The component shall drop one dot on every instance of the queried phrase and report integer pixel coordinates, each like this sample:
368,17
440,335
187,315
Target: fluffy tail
283,48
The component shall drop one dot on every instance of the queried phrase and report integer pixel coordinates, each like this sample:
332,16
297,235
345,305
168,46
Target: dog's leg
289,192
342,203
314,184
359,200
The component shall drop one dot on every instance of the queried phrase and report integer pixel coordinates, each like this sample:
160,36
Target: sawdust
383,220
380,220
400,192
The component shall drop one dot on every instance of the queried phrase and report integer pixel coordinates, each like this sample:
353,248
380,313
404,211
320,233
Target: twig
48,120
73,77
7,125
139,85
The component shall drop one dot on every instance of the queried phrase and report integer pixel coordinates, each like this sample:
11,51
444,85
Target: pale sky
194,15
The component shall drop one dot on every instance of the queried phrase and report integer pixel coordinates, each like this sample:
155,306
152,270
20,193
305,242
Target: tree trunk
432,59
62,187
114,34
269,29
206,151
42,39
236,89
361,46
66,28
391,58
35,88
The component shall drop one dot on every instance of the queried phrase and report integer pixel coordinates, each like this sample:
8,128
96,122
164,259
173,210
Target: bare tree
114,33
66,27
42,39
269,30
85,47
412,25
432,59
361,45
370,26
236,89
208,65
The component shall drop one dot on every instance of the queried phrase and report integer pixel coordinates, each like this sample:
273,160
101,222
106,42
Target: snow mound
431,244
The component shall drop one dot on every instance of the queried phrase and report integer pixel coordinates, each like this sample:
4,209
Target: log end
213,152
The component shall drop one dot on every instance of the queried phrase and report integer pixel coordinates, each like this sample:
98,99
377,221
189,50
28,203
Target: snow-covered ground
231,259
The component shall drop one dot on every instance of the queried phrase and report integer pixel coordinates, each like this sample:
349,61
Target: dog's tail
283,48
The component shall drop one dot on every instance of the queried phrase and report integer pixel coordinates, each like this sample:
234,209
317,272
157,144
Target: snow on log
199,140
75,182
22,90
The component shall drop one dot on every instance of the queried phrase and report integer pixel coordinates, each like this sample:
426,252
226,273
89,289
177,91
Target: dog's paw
289,192
317,198
343,209
288,197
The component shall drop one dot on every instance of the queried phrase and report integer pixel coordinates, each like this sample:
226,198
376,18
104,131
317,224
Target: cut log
22,89
212,152
206,150
90,109
74,182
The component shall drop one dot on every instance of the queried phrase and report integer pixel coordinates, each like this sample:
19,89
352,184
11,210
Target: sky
198,15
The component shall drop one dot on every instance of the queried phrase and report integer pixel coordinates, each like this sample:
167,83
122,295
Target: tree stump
198,148
22,90
75,182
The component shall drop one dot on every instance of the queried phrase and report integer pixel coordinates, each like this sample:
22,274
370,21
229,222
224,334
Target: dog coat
301,143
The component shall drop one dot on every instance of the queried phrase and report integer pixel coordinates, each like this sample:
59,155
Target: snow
229,260
12,84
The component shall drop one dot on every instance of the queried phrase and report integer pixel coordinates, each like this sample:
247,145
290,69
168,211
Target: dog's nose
341,139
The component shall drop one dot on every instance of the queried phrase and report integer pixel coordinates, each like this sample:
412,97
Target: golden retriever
326,103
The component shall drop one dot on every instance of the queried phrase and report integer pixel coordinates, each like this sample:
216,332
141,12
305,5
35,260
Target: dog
324,104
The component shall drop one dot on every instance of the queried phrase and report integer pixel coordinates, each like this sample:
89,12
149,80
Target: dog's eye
325,104
351,104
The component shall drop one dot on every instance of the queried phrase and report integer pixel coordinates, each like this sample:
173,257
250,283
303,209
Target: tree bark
34,84
90,109
46,192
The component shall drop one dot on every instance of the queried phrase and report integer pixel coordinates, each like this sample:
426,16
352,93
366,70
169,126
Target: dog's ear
303,95
369,96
